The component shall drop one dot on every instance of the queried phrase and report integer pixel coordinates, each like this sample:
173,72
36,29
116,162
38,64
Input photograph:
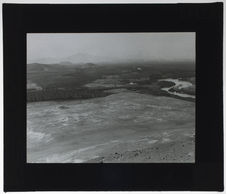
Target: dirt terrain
110,113
125,126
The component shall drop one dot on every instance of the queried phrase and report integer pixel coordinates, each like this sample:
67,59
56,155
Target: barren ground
123,127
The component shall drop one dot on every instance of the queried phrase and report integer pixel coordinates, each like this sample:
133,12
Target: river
178,84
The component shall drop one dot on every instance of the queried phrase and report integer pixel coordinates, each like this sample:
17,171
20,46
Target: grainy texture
122,127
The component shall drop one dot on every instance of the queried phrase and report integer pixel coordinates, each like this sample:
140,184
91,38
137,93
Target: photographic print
111,97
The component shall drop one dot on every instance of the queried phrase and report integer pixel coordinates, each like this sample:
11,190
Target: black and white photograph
111,97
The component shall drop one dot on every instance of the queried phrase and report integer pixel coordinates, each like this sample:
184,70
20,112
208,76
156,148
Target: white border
86,2
107,1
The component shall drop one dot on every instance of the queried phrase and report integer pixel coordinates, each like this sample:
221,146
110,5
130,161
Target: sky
110,47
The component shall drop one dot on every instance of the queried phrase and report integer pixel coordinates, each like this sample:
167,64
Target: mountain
76,59
47,60
66,63
37,67
82,58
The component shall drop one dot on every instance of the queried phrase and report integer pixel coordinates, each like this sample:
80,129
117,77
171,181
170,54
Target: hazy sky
110,47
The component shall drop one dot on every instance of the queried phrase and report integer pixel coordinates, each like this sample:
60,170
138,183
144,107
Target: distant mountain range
79,58
82,59
39,67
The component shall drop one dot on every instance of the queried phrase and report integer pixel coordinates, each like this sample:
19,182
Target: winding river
180,85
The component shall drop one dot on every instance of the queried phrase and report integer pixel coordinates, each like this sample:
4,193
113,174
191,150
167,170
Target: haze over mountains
81,58
109,48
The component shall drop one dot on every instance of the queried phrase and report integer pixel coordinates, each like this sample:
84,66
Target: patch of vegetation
164,84
61,82
54,94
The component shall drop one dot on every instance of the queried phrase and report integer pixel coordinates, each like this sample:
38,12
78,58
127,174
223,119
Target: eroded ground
125,126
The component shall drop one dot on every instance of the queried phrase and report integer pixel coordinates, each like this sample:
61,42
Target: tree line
57,94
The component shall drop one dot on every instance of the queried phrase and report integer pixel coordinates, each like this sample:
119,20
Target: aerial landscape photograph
111,97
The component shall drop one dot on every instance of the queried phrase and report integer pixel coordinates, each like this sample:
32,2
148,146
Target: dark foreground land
110,113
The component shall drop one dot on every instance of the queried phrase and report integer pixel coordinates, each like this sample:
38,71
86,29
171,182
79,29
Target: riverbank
179,88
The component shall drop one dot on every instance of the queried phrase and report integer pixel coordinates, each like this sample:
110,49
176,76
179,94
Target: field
109,113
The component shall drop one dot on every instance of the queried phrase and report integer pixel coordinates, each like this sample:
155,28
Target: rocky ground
165,148
123,127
